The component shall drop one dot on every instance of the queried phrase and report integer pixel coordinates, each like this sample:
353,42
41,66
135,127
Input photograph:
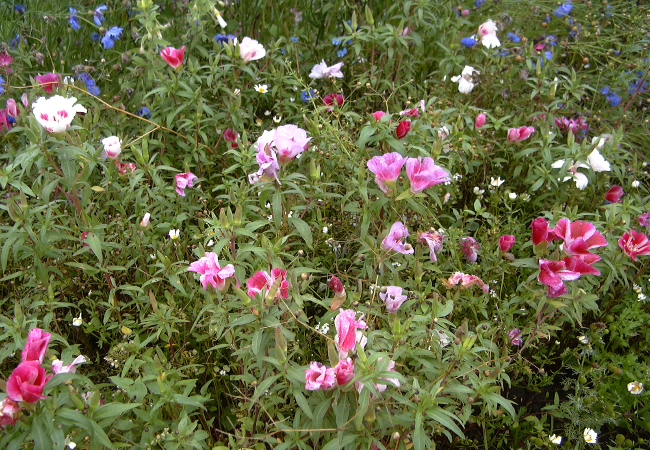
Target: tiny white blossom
325,328
210,243
173,234
325,230
77,321
636,183
512,196
641,296
237,92
496,182
261,88
277,119
557,440
478,191
635,388
583,339
222,372
267,113
591,437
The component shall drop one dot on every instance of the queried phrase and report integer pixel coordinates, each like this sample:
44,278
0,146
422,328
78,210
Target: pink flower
466,281
386,169
26,382
434,241
55,114
519,134
553,274
423,173
469,247
24,100
231,136
488,34
394,381
541,231
58,367
144,223
8,412
480,121
344,371
319,377
395,239
634,244
614,194
346,330
275,284
506,242
321,70
250,50
184,180
173,56
267,159
4,121
515,336
112,146
378,115
211,272
575,264
413,112
122,168
331,99
335,285
12,108
579,237
644,219
575,125
393,298
289,141
402,129
48,81
5,59
36,346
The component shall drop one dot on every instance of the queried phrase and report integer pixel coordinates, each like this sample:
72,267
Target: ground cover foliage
324,224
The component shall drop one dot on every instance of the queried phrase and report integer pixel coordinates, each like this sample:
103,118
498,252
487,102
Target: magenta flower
346,330
289,141
423,173
553,274
378,115
26,382
579,237
335,285
319,377
434,241
344,371
541,231
393,298
480,121
36,345
515,336
275,283
634,244
173,56
466,281
469,246
519,134
395,239
506,242
614,194
211,272
268,162
386,169
48,81
644,219
184,180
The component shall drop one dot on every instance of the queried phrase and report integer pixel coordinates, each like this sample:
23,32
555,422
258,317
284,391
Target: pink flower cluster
469,246
277,148
422,173
212,274
578,239
466,281
184,180
393,298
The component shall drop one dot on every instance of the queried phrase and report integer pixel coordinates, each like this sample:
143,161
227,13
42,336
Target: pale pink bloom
58,367
423,173
553,274
12,108
488,34
36,345
319,377
184,180
579,237
321,70
469,246
346,330
250,49
466,281
123,168
173,56
8,412
268,161
519,134
265,139
404,32
289,141
386,169
480,121
144,223
211,272
112,146
515,336
24,100
393,298
55,114
261,280
395,239
344,371
434,241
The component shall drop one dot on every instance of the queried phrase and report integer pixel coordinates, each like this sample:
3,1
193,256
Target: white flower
583,339
173,234
512,196
277,119
77,321
557,440
443,132
464,80
217,14
636,183
70,443
597,162
144,223
261,88
580,178
496,182
321,70
478,191
55,114
591,437
488,33
267,113
250,50
112,146
236,92
635,388
210,243
325,230
443,338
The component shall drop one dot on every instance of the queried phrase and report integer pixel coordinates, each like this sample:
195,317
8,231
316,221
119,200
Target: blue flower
294,39
468,42
2,81
551,40
605,90
95,37
478,3
613,99
563,10
283,51
98,16
341,53
144,112
513,37
637,87
15,42
74,20
112,35
307,96
225,38
10,120
548,55
21,9
90,84
336,41
547,19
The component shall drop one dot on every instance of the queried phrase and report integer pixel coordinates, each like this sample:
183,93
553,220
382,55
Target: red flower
553,274
402,129
48,81
634,244
173,56
540,231
579,237
506,242
329,99
614,194
26,382
335,285
231,136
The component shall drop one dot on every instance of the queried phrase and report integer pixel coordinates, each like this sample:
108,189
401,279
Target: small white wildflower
277,119
293,99
636,183
641,296
636,288
222,372
583,339
635,388
443,338
77,321
325,328
237,92
397,264
557,440
325,230
512,196
261,88
478,191
70,443
290,214
496,182
210,243
591,437
267,113
152,256
525,197
173,234
270,217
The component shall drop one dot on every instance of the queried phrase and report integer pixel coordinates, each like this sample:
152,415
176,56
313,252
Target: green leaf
95,245
304,405
303,229
113,410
